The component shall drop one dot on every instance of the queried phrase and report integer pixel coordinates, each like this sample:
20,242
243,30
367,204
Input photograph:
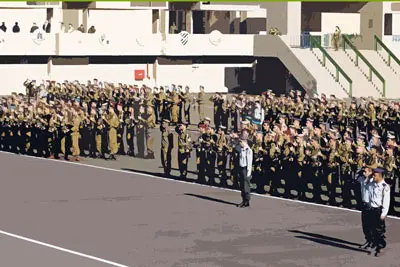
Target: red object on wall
139,75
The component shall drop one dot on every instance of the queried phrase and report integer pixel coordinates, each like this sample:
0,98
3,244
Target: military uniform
184,148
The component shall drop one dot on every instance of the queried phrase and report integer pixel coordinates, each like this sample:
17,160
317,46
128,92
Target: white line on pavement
62,249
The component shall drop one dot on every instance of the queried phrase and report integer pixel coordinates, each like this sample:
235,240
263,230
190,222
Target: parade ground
101,213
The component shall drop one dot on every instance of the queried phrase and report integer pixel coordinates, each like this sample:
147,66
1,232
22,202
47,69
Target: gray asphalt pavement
139,220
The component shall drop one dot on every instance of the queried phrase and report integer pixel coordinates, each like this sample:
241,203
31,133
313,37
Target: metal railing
378,42
314,43
372,70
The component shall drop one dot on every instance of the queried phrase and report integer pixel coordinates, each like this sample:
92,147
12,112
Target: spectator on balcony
3,27
81,28
47,26
173,29
92,29
70,28
62,27
16,28
34,27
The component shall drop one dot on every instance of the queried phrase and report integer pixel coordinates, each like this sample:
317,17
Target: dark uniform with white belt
379,201
245,165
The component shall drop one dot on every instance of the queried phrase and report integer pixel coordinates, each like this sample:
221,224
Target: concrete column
49,66
56,20
155,65
163,22
85,19
189,21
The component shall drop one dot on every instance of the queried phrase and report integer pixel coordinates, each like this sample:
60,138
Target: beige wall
371,11
73,16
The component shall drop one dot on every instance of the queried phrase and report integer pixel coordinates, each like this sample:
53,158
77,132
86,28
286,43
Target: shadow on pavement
211,199
332,244
324,237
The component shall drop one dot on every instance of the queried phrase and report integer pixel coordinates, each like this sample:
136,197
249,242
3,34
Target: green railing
316,43
372,70
390,53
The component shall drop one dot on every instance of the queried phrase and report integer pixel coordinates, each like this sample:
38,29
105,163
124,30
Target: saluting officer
364,177
379,200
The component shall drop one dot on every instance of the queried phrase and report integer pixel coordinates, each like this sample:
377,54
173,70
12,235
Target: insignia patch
38,36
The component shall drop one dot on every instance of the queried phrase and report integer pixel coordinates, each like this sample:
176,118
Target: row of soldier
325,140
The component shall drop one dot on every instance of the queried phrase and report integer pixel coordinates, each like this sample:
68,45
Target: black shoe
247,204
241,205
379,252
367,245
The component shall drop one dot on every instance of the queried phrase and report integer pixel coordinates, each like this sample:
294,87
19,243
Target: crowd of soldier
301,140
294,137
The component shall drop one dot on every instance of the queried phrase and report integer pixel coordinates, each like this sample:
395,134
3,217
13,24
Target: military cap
207,119
379,170
165,120
361,137
283,116
297,119
222,127
373,166
314,138
310,120
349,128
349,139
245,122
376,136
266,121
391,136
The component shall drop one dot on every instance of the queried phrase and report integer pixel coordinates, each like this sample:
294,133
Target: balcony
79,44
28,44
209,45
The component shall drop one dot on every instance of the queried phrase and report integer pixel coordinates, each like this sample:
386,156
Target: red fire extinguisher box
139,75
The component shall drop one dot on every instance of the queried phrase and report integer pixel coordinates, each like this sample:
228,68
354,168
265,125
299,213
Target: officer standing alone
244,173
379,200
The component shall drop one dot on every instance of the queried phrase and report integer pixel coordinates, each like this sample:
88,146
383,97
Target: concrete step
325,76
359,74
391,74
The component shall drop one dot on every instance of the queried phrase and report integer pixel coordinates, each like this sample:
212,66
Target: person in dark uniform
166,146
245,166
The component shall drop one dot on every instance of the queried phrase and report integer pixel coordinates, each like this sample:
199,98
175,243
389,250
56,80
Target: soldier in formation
297,141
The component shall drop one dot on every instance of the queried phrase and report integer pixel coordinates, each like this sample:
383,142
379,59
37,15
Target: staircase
389,73
368,81
325,76
361,86
330,78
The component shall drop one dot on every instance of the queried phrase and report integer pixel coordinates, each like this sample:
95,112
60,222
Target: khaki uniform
183,152
113,123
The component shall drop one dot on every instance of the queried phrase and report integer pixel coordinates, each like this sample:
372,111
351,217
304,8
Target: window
388,24
370,23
